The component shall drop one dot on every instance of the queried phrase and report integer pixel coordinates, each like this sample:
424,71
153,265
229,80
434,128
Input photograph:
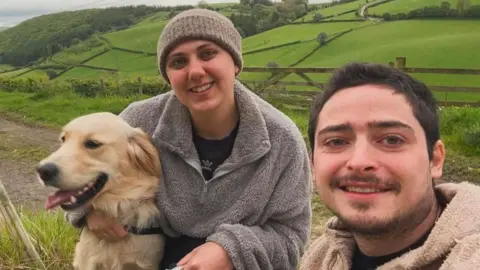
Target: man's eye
336,142
392,140
91,144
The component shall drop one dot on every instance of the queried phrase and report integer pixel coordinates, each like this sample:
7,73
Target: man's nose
362,158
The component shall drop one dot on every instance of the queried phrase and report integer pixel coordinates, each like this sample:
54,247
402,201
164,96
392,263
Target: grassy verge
52,237
55,239
58,110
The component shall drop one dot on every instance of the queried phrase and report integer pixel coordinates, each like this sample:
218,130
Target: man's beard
405,221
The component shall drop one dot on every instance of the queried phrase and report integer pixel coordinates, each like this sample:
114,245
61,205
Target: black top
361,261
211,153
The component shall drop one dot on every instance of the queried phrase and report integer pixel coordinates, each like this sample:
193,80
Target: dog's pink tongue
58,198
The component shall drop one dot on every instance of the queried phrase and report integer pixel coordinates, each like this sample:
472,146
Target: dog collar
152,230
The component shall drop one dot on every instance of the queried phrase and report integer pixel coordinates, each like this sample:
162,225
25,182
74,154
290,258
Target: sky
13,12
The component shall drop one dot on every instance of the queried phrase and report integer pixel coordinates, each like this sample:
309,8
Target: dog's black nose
48,172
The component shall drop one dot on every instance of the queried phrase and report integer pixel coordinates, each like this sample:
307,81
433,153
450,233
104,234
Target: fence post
102,85
140,90
16,222
400,62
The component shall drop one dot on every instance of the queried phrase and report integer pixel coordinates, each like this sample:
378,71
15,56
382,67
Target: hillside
3,28
337,12
433,43
141,37
46,35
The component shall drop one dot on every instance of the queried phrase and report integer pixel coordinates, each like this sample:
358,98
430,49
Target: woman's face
202,75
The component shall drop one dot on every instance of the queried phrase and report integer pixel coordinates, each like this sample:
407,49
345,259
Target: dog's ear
143,154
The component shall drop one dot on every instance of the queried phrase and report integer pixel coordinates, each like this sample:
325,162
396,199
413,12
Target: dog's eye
91,144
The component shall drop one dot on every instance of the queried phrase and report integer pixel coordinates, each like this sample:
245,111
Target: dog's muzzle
69,199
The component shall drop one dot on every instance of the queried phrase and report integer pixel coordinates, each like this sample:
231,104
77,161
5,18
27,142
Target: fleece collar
174,129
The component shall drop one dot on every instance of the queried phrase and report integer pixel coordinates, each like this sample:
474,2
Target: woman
236,174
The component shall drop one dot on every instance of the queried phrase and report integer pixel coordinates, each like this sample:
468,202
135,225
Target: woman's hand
209,256
105,228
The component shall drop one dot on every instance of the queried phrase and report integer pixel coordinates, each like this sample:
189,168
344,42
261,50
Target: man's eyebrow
388,124
374,124
335,128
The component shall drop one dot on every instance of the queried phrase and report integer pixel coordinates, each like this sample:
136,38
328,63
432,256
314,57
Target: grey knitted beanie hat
202,24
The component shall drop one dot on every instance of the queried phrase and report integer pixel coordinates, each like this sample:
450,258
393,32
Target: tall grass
53,238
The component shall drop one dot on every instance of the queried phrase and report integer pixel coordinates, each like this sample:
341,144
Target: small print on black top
212,153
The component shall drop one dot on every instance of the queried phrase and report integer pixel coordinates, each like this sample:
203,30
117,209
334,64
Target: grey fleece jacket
257,204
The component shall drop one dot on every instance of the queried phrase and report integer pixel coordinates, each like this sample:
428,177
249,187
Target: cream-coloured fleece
454,242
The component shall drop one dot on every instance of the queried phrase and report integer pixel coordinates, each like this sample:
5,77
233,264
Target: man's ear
438,159
143,154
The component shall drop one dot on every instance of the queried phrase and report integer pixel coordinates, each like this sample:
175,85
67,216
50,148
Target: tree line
255,16
462,9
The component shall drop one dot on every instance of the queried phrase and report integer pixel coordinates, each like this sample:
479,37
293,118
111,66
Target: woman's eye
177,63
208,54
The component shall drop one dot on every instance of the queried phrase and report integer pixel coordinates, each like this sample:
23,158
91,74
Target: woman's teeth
201,88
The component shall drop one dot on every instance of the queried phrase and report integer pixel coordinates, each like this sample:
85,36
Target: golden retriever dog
105,165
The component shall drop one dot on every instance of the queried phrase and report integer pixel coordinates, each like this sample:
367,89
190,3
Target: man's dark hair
355,74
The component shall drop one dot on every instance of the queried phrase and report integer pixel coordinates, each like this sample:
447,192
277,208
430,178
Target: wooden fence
274,87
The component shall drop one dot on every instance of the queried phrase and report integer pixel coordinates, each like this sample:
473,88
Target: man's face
370,163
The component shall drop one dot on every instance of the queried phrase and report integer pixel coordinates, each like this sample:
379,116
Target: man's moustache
339,181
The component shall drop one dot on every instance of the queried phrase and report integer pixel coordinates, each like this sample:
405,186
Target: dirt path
21,148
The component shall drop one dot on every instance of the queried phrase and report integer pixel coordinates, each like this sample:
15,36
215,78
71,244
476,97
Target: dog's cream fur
132,163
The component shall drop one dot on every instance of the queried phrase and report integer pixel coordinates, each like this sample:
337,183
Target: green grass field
13,73
284,56
83,73
433,43
77,53
5,67
398,6
333,10
46,111
292,33
347,16
141,37
129,64
37,74
76,57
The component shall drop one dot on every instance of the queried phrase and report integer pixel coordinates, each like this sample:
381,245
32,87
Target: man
376,145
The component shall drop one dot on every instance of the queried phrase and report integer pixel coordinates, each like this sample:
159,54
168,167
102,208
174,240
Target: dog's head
97,152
